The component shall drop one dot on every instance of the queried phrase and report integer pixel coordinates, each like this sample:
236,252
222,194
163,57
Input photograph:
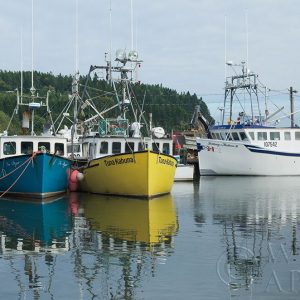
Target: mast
292,91
32,89
240,82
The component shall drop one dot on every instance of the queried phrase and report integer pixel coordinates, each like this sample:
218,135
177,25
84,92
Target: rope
28,162
16,168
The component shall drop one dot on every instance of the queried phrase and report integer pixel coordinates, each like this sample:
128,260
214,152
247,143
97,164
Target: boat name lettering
165,161
270,144
229,145
119,161
13,163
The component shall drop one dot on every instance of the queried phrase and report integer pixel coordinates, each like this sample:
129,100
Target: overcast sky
181,42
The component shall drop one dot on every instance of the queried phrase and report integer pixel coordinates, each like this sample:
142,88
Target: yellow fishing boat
125,156
139,174
148,221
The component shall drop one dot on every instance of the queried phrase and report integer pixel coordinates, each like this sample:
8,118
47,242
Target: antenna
76,39
21,67
131,23
110,31
225,45
247,52
32,89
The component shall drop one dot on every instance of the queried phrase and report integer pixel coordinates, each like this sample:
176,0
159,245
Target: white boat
251,145
184,172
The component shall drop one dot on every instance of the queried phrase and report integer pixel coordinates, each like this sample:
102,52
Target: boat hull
218,157
139,174
184,173
40,176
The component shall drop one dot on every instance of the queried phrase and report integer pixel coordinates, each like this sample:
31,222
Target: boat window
223,137
228,136
26,147
262,136
287,135
155,147
59,148
104,148
297,135
85,149
44,146
274,136
244,137
252,136
129,147
141,147
116,147
91,149
9,148
76,148
166,148
235,136
218,136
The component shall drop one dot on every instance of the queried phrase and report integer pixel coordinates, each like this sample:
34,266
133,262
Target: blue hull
41,176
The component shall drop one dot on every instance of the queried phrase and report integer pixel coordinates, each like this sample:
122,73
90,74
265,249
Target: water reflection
31,231
135,220
259,217
26,225
120,241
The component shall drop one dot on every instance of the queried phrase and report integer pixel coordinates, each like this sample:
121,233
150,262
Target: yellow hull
139,174
150,221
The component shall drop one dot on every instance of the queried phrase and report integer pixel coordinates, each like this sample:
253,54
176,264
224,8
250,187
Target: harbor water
219,238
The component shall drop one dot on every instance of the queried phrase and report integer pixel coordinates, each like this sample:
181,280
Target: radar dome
133,55
120,55
158,132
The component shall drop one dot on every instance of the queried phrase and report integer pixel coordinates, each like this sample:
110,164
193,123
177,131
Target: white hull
184,173
218,157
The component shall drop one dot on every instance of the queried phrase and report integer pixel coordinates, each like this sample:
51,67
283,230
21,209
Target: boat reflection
134,220
29,226
259,217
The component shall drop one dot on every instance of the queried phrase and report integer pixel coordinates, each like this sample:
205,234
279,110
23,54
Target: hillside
171,110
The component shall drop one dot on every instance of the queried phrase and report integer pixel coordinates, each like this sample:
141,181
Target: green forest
170,109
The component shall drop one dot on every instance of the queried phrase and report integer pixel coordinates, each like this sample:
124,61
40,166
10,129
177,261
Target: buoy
79,176
73,181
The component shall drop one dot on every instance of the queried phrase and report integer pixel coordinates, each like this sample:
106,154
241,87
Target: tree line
170,109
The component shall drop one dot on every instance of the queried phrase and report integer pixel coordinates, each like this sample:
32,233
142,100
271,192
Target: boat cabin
286,138
18,145
94,147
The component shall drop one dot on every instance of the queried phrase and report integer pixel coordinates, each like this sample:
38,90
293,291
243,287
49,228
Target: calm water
222,238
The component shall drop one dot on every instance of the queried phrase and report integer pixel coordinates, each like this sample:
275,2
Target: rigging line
98,90
287,114
13,184
130,99
21,165
142,115
66,108
239,102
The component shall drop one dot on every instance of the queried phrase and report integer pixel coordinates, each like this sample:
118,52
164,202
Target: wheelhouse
18,145
94,147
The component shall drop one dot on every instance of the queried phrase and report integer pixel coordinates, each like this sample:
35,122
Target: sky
181,43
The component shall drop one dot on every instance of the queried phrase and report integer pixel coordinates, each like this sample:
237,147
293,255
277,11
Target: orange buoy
73,182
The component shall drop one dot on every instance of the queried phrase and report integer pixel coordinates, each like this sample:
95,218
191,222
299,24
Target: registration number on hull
270,144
